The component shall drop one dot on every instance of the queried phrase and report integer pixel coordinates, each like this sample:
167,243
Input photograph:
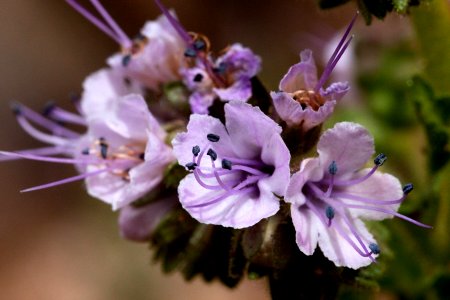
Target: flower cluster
236,165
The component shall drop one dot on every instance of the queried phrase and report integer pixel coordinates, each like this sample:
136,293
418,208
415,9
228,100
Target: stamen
94,20
54,150
226,164
50,159
380,159
174,22
198,77
212,154
59,114
213,137
329,212
189,52
103,148
374,248
336,55
389,212
407,188
195,150
332,169
191,166
25,112
43,137
67,180
342,195
125,40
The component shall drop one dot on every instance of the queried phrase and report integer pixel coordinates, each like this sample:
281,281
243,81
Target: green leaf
400,5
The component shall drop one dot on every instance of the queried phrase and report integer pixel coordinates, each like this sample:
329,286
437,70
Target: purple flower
331,194
302,101
121,157
153,58
138,223
227,77
238,170
229,80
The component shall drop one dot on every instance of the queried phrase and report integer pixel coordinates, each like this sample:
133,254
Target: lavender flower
253,170
121,157
228,77
302,101
331,194
231,80
153,58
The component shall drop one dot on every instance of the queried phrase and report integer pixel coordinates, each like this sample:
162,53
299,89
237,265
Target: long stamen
59,114
222,197
389,212
125,40
366,200
67,180
43,137
50,159
91,18
175,24
55,128
329,67
44,151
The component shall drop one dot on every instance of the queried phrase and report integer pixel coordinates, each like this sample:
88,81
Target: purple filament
66,180
59,114
175,24
340,49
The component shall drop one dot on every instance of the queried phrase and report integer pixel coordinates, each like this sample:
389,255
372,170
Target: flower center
120,160
235,176
309,98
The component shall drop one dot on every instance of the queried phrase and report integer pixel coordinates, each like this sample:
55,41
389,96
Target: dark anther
142,156
191,166
139,37
374,248
195,150
126,60
333,168
380,159
190,52
48,108
198,77
85,151
329,212
16,109
407,188
127,81
212,154
103,148
220,69
226,164
199,45
213,137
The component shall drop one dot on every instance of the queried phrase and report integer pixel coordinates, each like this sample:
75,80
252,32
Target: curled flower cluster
236,172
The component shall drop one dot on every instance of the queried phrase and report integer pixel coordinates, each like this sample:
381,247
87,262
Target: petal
237,211
379,186
249,128
138,223
302,75
349,144
240,90
241,60
287,108
335,91
200,102
275,153
102,88
198,128
338,250
307,228
310,170
293,114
